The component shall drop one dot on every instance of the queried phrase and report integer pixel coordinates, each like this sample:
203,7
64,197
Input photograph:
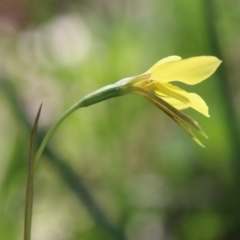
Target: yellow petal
190,71
163,61
193,100
197,103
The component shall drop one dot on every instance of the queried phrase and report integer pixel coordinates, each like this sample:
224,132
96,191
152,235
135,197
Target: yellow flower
155,85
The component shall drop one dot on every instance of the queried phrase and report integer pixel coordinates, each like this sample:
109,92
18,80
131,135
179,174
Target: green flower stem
109,91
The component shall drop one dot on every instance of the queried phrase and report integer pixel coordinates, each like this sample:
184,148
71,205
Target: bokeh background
120,169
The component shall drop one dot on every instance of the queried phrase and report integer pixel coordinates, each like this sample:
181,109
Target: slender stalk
51,132
29,188
109,91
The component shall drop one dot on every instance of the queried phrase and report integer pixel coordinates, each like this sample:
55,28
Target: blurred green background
120,169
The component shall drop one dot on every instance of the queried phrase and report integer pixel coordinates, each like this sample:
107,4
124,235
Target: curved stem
51,132
109,91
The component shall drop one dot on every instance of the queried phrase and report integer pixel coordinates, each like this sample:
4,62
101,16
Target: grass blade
29,187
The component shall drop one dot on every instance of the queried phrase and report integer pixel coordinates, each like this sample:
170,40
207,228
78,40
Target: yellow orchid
156,87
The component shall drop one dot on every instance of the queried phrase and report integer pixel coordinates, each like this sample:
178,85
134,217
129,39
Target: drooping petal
171,110
172,97
179,121
190,71
180,118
